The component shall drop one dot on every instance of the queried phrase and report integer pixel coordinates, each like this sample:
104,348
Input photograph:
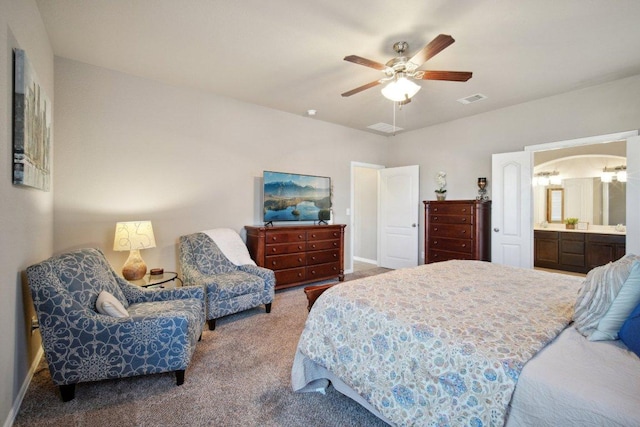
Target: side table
158,280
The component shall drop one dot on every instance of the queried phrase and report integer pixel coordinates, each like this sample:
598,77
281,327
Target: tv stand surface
298,254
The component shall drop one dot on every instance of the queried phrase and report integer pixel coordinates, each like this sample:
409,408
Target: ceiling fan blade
364,61
361,88
436,46
454,76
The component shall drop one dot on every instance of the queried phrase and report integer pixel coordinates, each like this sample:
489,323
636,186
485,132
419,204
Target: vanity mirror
555,205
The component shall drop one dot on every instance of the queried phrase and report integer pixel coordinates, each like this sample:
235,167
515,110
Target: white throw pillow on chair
109,305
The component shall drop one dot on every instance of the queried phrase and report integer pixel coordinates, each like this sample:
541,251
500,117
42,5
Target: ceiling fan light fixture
400,89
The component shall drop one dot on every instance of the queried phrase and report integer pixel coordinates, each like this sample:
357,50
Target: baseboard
13,413
366,260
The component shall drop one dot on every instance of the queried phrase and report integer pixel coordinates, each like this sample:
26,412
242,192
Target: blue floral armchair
229,288
158,335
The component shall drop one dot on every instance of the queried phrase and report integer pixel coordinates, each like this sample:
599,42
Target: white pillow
109,305
621,307
599,289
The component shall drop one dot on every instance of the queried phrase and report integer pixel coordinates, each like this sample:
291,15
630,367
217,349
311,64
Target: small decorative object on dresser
457,229
441,181
298,254
482,189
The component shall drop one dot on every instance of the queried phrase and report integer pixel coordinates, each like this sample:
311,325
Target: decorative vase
441,196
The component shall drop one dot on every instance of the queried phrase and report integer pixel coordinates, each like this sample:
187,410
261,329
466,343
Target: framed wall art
31,127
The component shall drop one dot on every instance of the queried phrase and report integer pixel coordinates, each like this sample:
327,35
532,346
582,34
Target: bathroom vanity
577,250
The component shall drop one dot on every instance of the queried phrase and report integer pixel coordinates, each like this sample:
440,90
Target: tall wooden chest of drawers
299,254
457,229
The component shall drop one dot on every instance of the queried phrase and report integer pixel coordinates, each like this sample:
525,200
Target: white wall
365,213
26,214
129,148
463,147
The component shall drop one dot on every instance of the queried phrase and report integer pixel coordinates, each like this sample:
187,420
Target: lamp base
134,268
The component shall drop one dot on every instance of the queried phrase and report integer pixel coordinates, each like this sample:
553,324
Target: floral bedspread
438,344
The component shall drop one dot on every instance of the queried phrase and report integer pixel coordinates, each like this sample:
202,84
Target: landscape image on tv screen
294,197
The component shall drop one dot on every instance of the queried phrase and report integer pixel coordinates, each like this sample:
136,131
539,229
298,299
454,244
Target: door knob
413,225
496,229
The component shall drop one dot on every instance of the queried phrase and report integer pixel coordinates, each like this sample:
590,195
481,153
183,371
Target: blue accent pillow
630,332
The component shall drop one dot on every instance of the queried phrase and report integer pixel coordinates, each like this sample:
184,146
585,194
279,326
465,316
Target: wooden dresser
299,254
457,229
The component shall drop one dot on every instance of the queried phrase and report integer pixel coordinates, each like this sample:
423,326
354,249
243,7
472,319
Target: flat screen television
295,197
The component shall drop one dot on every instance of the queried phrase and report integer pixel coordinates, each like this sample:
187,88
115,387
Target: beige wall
129,148
26,214
365,213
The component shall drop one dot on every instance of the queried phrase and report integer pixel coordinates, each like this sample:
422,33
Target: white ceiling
288,54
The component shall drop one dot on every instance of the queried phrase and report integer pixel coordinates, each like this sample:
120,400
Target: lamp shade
400,89
134,235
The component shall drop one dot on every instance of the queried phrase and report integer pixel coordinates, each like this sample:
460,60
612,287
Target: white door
511,210
398,214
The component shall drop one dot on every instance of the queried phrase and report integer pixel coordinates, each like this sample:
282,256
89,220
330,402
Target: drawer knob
435,209
435,218
299,247
274,238
313,258
274,250
464,231
313,272
435,242
435,228
313,246
299,259
464,245
335,245
313,235
273,263
299,274
300,236
464,219
335,255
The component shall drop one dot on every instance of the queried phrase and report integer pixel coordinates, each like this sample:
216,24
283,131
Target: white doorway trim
351,230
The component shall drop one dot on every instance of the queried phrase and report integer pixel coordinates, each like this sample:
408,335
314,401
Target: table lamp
133,236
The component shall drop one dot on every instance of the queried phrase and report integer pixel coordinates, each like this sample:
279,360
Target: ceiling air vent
471,99
385,127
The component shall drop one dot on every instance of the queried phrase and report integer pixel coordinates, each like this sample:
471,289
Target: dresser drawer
285,236
452,209
279,262
317,272
451,230
323,235
319,257
285,248
290,275
323,244
456,245
450,219
437,256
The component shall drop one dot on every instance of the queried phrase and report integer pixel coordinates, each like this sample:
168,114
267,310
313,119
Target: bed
446,344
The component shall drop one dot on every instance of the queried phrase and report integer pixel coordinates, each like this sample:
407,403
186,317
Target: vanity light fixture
545,178
618,172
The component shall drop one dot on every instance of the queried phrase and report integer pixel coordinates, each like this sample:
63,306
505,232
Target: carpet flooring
240,375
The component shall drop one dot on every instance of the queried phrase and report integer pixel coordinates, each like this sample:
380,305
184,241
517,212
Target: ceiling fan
400,69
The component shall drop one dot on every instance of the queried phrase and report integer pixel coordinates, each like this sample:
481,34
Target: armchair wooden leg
180,377
212,324
267,307
68,392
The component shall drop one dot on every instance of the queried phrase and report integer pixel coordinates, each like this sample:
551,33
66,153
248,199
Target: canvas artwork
31,127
